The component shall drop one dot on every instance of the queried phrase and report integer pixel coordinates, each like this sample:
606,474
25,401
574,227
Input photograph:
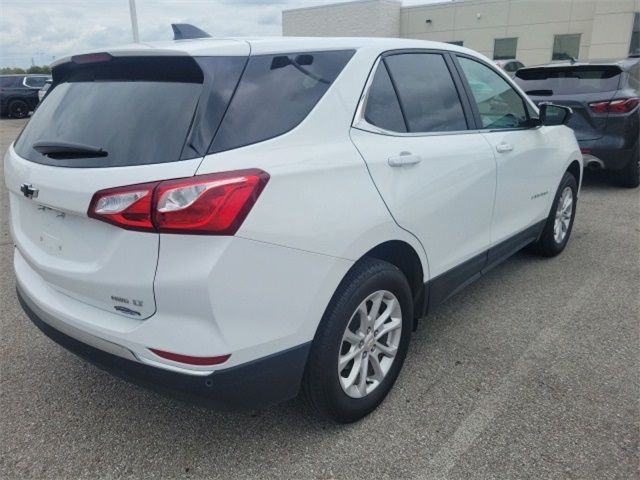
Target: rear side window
428,96
570,80
137,110
275,94
35,82
383,109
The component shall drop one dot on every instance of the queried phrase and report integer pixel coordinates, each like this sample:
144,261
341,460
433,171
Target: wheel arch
575,169
405,257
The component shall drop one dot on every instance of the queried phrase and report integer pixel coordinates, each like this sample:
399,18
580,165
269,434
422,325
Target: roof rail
184,31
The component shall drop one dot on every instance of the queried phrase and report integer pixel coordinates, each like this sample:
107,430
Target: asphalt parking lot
530,373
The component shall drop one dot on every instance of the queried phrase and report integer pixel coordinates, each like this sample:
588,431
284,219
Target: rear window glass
137,110
568,80
275,94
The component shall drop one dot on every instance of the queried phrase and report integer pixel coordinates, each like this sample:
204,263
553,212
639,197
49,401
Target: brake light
623,105
214,204
189,360
91,58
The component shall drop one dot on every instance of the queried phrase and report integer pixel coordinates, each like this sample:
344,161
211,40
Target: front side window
427,93
275,94
505,48
566,47
499,105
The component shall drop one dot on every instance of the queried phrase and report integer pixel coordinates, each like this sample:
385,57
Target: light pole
134,21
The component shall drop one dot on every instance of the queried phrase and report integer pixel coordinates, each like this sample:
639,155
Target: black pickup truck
19,94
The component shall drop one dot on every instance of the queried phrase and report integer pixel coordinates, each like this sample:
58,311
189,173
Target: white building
534,31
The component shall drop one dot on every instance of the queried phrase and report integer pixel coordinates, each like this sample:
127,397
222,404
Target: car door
436,175
526,159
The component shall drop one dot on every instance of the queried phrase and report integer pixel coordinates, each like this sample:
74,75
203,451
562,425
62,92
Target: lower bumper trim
253,385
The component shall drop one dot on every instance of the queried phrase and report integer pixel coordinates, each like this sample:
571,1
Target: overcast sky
41,30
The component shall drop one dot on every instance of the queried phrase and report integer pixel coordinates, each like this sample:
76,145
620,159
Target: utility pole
134,21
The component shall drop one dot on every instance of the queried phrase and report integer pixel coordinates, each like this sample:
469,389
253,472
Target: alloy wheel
369,344
564,212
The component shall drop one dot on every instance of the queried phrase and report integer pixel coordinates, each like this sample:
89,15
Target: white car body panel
456,179
330,199
91,261
527,176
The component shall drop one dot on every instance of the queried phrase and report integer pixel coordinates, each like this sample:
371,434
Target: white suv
239,220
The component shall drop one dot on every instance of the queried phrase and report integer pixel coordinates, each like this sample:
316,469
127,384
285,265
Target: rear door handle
405,158
504,147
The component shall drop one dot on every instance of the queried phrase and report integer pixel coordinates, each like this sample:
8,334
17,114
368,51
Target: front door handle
504,147
404,159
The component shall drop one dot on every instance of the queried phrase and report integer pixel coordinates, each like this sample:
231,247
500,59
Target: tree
37,69
45,69
11,70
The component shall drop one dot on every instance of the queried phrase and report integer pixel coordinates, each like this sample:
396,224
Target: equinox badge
28,190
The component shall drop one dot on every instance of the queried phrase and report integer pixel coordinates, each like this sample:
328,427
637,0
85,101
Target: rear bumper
256,384
615,153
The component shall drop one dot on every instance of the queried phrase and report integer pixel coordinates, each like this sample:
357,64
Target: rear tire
18,109
350,337
629,176
557,229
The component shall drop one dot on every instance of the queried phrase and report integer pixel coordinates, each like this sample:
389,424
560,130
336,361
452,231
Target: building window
634,48
505,48
566,47
459,43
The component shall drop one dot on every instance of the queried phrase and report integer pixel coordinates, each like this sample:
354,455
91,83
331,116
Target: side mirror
551,114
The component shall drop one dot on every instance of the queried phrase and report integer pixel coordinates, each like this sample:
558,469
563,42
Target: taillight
623,105
127,207
214,204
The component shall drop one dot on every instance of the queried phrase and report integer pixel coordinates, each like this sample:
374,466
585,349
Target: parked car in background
273,215
45,88
509,66
606,105
19,94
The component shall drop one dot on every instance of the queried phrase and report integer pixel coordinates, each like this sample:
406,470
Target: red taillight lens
623,105
214,204
189,360
127,207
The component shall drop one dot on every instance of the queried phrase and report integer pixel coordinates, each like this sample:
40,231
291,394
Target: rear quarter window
571,80
275,94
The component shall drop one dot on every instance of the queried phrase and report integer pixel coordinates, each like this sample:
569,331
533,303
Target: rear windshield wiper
57,149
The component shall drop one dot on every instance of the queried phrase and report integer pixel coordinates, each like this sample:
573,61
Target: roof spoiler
184,31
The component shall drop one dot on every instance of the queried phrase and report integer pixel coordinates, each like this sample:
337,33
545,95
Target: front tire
361,342
559,224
